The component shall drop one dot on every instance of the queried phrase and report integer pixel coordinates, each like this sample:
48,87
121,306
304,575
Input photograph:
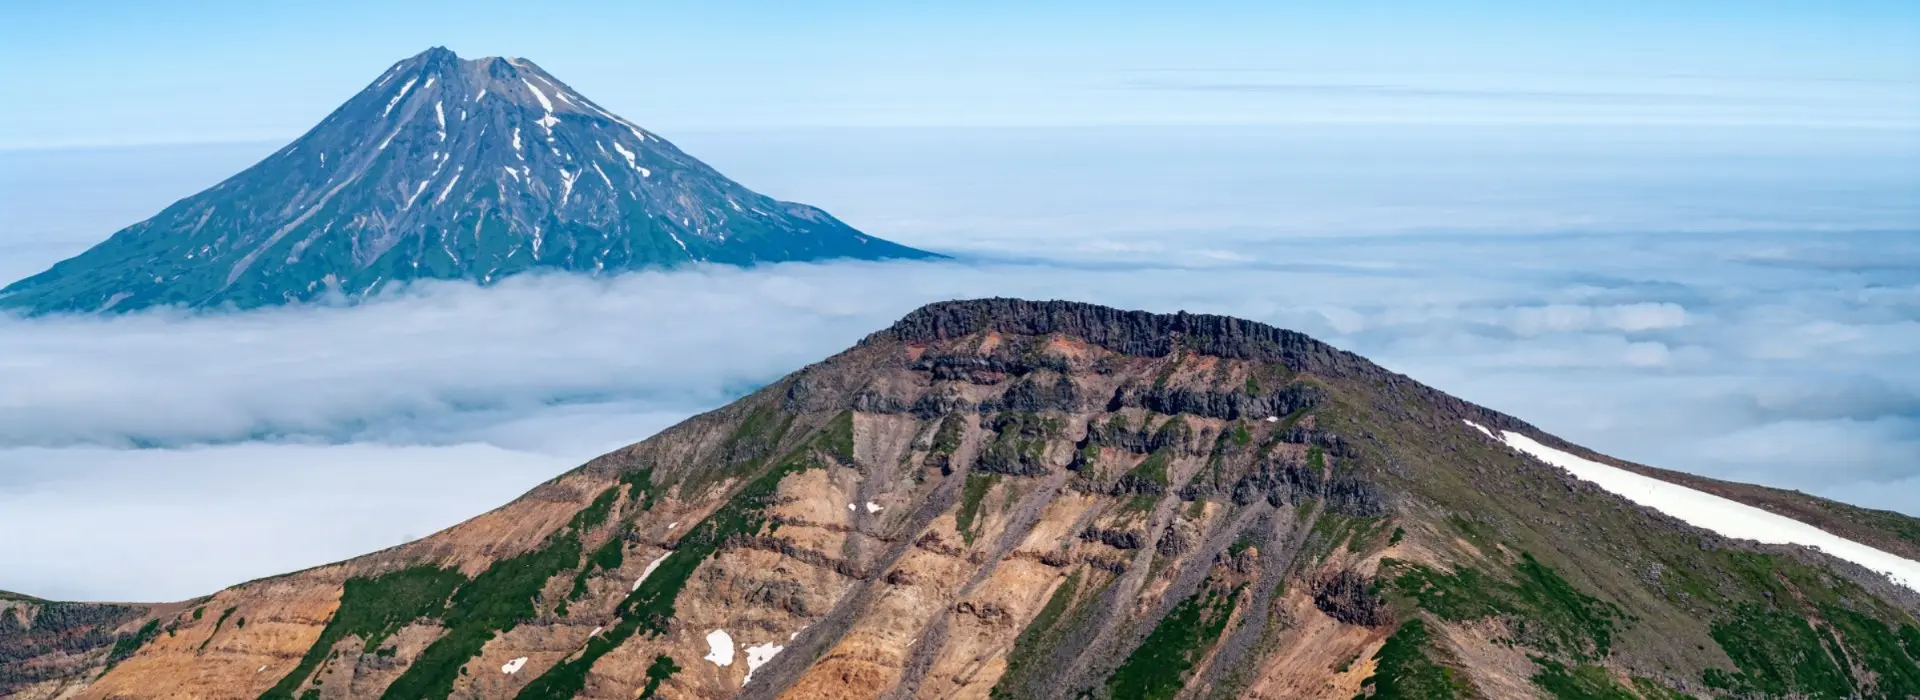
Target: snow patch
720,648
511,171
481,95
516,143
415,195
389,138
644,573
603,175
671,526
547,122
566,186
429,84
397,97
631,162
873,507
851,507
440,115
1483,429
683,248
512,667
1725,516
758,655
538,95
450,184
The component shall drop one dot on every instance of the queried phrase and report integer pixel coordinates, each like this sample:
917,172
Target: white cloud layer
163,455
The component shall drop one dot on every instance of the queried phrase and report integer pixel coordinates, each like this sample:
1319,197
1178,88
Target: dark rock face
1019,446
1349,597
443,168
1146,334
1228,405
1128,332
1350,495
32,631
1117,539
1116,433
1279,483
1035,394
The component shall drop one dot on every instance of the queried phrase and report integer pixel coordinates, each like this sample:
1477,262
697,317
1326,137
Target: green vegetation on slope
372,608
976,490
1540,608
1158,668
662,668
126,646
224,614
650,607
1403,671
1579,683
1039,634
496,601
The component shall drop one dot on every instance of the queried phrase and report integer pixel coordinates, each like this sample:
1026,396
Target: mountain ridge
987,499
442,168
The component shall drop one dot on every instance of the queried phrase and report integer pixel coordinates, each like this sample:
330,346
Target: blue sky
102,72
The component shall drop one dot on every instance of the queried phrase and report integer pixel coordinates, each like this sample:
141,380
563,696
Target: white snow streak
389,138
511,171
516,143
631,162
603,175
450,184
1721,515
720,648
415,195
1483,429
429,84
566,185
440,116
512,667
538,95
397,97
683,248
481,95
757,655
644,573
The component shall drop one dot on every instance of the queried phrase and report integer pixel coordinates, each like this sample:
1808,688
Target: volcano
1001,498
443,168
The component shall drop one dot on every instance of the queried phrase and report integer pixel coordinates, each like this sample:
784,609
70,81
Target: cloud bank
1764,326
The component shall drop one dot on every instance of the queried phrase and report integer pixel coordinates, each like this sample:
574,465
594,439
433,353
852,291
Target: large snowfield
1721,515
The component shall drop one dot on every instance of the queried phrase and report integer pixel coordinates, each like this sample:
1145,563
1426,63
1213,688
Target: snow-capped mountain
451,169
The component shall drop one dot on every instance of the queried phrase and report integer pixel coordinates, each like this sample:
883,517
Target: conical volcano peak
443,168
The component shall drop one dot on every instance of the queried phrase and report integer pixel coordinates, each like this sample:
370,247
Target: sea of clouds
1742,305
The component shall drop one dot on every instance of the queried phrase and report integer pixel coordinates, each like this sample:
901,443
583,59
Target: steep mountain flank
442,168
1012,499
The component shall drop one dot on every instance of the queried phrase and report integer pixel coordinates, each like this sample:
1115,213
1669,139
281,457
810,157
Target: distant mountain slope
1013,499
447,169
